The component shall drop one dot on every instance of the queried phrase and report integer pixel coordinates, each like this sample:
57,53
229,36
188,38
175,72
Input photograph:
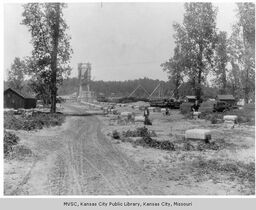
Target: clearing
80,157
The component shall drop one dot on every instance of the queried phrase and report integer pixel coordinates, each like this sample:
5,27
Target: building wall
13,100
30,103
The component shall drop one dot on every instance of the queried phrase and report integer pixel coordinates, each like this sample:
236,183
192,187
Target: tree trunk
200,70
176,90
224,80
246,88
198,88
54,57
247,67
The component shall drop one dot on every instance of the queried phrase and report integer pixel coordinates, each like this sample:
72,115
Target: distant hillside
124,88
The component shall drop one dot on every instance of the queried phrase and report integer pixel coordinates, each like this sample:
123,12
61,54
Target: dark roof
225,97
26,96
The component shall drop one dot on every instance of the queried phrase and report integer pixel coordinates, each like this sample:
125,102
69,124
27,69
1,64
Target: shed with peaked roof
190,99
15,99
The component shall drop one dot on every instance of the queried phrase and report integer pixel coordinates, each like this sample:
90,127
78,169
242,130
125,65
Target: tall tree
242,48
246,15
221,60
17,74
51,45
175,69
197,39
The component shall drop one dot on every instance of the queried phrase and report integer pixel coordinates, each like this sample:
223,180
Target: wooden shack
226,98
190,99
14,99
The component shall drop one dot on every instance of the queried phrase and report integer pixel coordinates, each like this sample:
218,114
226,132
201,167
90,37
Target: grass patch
238,169
146,139
149,142
245,115
33,122
139,132
193,145
20,152
116,134
185,108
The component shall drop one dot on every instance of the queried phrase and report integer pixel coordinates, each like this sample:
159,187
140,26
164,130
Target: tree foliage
197,39
17,74
221,59
175,68
51,54
242,50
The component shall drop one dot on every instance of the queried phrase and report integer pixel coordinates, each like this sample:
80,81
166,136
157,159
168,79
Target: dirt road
79,160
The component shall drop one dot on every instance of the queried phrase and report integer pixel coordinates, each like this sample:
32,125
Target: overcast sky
121,40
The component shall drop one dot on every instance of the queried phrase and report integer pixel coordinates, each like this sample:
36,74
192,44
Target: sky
122,41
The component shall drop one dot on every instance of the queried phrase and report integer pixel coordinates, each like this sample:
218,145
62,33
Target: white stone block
230,117
202,134
163,110
139,119
151,109
196,113
229,124
125,114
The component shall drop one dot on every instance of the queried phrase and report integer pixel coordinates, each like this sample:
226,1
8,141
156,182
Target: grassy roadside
34,121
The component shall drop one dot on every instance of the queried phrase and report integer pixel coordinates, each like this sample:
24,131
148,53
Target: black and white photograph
129,99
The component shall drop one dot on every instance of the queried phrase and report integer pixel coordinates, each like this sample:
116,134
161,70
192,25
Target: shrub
33,122
10,140
185,108
188,146
148,141
206,106
116,135
147,122
213,117
139,132
21,152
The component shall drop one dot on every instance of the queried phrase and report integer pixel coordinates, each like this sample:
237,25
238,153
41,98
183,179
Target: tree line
203,52
205,61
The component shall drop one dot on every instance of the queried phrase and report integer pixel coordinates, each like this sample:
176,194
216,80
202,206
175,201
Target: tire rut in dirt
90,165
